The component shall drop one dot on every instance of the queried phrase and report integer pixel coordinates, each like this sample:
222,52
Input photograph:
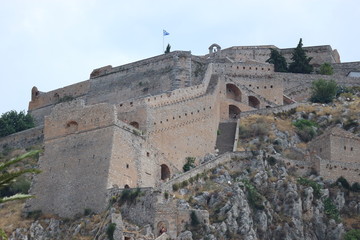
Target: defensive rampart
319,54
343,69
298,86
23,139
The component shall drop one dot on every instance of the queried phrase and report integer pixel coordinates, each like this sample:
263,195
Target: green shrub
271,160
310,183
189,164
110,230
331,210
355,187
191,180
254,197
194,219
326,69
303,123
175,187
184,184
130,195
306,134
36,214
344,183
3,235
353,234
323,91
350,123
87,211
305,129
166,195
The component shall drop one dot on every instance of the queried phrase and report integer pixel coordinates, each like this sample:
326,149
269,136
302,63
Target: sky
54,43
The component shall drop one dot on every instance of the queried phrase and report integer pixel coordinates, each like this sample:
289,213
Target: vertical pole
163,44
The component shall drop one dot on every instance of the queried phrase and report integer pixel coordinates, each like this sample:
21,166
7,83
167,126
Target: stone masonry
135,125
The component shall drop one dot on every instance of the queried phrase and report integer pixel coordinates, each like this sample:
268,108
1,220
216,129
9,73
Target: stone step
226,137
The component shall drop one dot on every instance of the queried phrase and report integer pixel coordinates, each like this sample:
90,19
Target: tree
301,63
168,48
278,60
323,91
326,69
12,122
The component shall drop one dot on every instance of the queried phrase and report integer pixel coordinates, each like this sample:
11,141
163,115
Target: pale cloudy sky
54,43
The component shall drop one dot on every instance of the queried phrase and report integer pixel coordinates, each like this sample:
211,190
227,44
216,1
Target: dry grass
10,217
351,223
301,145
307,108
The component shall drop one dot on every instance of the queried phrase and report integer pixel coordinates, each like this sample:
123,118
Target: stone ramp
226,137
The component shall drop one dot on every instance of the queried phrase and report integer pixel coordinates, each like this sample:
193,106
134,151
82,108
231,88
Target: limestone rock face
264,202
187,235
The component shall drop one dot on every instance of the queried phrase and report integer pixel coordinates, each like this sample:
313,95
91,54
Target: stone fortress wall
147,117
144,78
23,139
169,120
319,54
87,150
336,153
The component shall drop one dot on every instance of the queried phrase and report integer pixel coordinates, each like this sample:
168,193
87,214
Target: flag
165,33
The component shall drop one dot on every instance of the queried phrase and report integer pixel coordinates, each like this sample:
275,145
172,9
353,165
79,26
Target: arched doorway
135,124
234,112
254,102
126,186
233,92
165,172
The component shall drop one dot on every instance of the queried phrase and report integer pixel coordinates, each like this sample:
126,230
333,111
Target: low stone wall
335,169
267,111
23,139
301,167
203,167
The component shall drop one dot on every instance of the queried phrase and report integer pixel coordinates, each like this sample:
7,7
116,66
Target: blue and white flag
165,33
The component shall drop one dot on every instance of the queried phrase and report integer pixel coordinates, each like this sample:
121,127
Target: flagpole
163,44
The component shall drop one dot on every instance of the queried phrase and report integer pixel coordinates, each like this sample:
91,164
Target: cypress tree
278,60
301,63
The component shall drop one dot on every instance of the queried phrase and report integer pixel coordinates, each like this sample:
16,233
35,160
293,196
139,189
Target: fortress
135,125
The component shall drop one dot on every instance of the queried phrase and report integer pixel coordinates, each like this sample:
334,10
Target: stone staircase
226,137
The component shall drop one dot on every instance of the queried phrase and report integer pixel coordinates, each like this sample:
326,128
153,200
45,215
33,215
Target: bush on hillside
323,91
305,129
